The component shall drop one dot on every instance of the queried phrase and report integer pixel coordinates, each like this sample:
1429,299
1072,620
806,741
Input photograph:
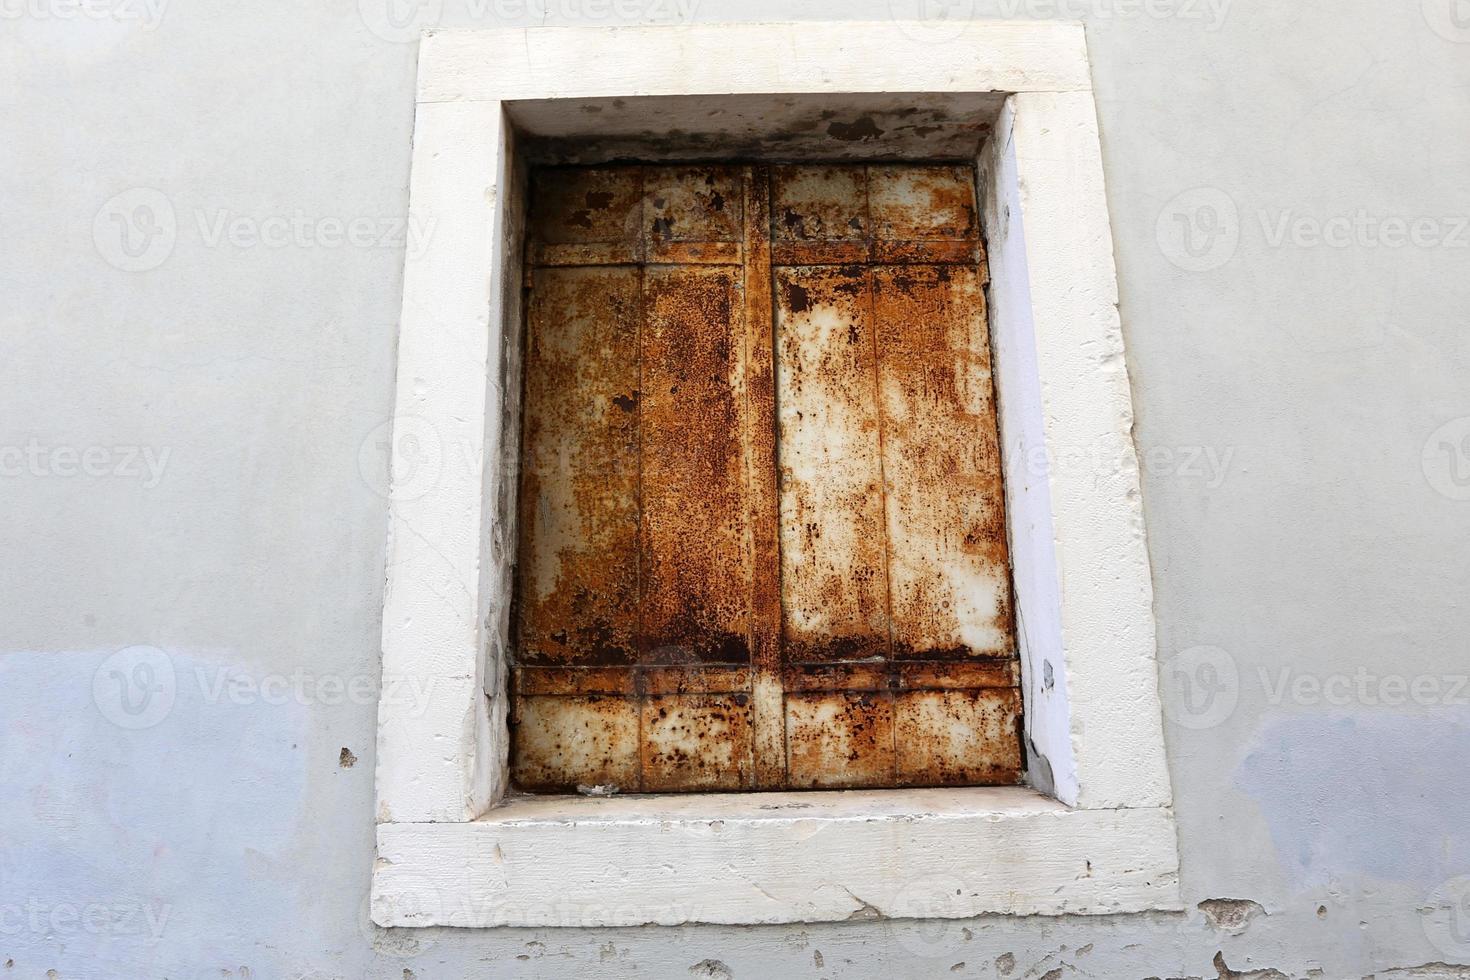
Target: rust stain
949,575
910,203
577,594
840,740
696,742
558,743
692,546
762,529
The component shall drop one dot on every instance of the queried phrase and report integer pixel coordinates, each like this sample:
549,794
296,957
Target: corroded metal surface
949,582
763,542
579,501
834,577
693,565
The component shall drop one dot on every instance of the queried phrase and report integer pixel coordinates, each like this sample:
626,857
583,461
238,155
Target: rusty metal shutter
762,541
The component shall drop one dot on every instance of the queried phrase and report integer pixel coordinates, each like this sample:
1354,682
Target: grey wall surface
194,365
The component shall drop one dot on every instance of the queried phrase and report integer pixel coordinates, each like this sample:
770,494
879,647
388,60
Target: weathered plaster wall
193,379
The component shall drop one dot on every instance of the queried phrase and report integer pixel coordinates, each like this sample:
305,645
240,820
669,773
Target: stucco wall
193,377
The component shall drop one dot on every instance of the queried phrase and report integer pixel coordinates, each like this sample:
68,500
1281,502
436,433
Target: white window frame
1093,830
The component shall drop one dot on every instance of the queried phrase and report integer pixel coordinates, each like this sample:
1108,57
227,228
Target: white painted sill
752,858
1093,834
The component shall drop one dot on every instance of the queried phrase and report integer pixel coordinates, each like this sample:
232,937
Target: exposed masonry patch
711,970
1230,915
1225,973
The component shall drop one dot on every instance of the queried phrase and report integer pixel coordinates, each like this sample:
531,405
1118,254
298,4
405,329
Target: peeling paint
1230,915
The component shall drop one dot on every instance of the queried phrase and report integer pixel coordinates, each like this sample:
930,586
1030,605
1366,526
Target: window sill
756,858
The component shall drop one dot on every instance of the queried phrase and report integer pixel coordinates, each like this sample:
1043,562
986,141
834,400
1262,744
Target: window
1090,831
762,534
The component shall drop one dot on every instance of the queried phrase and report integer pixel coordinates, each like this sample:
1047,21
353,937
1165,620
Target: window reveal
762,542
